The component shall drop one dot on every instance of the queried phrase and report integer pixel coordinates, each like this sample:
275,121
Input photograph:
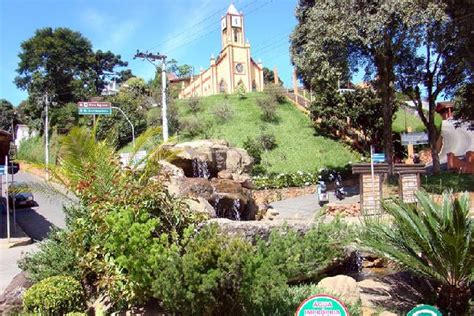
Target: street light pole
46,136
164,114
129,122
151,58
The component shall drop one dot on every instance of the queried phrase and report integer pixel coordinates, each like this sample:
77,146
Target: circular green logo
321,305
424,310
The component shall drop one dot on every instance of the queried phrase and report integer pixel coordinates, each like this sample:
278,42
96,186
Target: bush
193,126
54,257
285,180
32,149
268,107
267,141
223,112
432,240
56,295
240,90
254,149
194,105
231,276
275,92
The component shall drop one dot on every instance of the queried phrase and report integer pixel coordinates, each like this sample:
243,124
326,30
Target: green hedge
55,295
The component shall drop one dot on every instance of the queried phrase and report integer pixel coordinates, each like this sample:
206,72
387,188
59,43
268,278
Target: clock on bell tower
232,27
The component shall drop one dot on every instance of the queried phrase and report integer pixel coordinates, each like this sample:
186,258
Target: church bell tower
232,27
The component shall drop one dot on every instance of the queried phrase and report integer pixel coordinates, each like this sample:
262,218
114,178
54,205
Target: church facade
233,66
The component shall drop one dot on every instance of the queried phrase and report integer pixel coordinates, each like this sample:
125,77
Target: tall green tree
7,115
61,63
433,61
269,76
334,38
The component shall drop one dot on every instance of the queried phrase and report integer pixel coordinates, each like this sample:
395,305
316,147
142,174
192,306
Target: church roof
232,10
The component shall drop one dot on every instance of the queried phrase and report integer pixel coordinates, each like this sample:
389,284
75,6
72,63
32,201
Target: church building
233,66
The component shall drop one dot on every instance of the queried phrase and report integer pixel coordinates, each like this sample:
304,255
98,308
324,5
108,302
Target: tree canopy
400,44
62,63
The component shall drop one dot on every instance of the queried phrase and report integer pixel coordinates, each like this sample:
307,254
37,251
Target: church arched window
254,85
222,86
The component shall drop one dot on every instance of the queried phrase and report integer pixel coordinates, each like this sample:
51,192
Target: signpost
420,138
95,108
321,304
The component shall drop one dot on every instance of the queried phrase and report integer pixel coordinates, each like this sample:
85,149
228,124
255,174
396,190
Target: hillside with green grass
297,147
404,118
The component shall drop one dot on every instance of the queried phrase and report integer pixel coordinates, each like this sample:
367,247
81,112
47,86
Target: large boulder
342,286
215,172
213,155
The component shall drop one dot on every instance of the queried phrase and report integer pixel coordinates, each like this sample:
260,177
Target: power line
190,38
176,37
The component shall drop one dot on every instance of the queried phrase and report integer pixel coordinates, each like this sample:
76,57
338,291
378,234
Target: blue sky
186,30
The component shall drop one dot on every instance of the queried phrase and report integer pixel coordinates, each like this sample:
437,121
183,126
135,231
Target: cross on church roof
232,10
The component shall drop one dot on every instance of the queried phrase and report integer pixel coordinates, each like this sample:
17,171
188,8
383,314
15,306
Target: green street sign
96,111
321,304
424,310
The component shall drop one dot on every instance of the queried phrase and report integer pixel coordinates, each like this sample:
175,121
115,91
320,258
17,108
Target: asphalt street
36,221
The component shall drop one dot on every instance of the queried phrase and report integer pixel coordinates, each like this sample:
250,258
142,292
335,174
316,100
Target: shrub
240,90
193,126
254,149
54,257
55,295
285,180
267,141
153,117
275,92
194,105
432,240
268,107
231,276
223,112
32,149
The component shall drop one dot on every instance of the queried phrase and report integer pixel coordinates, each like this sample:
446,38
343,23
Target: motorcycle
322,193
339,191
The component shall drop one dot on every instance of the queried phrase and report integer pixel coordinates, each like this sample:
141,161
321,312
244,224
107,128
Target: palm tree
432,240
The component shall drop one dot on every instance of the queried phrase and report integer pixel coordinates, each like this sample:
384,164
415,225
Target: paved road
36,222
455,140
305,207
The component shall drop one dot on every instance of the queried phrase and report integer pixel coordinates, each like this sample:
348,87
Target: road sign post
94,108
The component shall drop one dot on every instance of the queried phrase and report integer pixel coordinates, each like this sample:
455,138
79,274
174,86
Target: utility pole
46,101
152,58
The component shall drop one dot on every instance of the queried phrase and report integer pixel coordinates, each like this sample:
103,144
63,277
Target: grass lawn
412,120
448,180
297,146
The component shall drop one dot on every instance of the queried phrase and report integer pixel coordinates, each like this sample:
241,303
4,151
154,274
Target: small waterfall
200,169
236,209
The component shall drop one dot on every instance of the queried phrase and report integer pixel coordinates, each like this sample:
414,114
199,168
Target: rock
12,297
251,230
342,286
244,179
168,170
238,161
201,205
224,174
196,187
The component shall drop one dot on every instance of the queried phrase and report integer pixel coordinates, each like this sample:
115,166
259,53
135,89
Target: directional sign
378,157
420,138
94,108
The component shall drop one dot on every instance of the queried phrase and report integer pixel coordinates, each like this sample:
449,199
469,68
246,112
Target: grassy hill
403,117
298,148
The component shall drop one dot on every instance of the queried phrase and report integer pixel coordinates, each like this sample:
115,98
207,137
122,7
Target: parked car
22,194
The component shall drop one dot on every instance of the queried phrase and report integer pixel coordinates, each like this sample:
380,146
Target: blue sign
3,169
378,157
